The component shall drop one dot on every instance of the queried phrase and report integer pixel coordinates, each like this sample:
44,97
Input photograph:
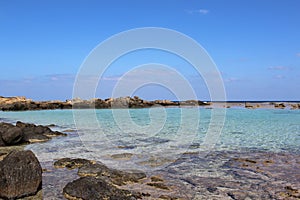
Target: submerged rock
20,175
98,181
71,163
91,168
158,185
115,176
97,169
96,188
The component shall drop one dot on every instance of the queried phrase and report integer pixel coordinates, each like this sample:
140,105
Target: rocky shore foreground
23,104
20,171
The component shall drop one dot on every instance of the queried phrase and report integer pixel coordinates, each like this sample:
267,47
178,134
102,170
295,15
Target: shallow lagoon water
159,140
261,129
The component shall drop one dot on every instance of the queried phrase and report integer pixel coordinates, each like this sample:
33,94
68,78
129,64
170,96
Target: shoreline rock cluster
25,133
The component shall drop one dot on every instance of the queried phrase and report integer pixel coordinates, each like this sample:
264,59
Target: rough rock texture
279,105
295,106
12,135
96,188
71,163
243,174
24,133
238,175
2,144
21,103
117,177
91,168
20,175
251,105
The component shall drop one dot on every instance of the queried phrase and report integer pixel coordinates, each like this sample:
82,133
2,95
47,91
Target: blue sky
254,43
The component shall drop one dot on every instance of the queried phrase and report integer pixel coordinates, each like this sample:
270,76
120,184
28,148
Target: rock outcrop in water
279,105
295,106
20,175
96,188
24,133
22,104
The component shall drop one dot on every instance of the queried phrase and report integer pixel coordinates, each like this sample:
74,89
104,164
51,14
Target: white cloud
203,11
54,78
279,77
232,79
111,78
279,68
199,11
58,77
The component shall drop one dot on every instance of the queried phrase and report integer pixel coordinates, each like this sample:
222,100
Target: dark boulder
4,127
20,175
12,136
33,133
9,134
96,188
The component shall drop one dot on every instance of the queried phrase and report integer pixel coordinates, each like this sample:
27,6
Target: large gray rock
20,175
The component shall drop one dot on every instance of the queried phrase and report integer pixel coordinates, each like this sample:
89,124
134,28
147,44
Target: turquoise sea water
161,134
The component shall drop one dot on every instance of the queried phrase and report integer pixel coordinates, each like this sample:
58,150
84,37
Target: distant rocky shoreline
23,104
